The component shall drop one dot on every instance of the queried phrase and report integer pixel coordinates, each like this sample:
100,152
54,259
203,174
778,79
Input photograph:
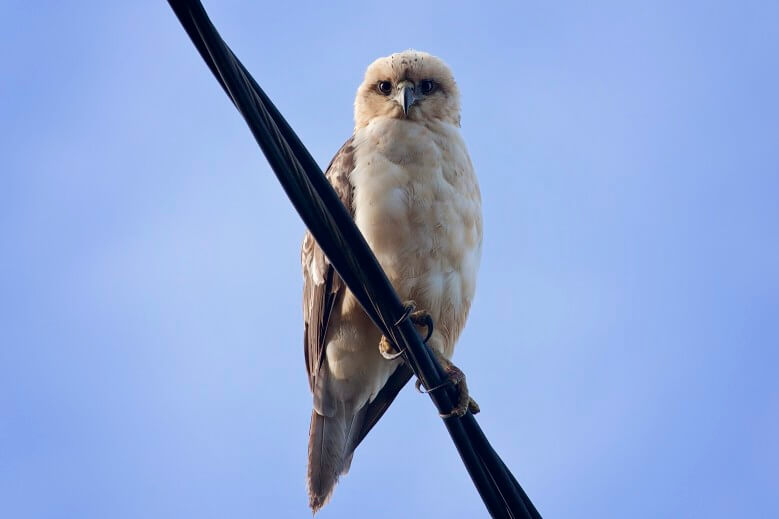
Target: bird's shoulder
337,173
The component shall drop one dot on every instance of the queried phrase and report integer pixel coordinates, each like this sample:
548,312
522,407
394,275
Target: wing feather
322,287
321,284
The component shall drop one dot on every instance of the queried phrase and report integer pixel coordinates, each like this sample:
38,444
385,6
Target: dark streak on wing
381,403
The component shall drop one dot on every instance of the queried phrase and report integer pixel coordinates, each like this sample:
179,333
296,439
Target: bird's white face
409,85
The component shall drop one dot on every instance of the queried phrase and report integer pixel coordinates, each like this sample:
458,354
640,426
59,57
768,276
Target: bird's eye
385,87
427,86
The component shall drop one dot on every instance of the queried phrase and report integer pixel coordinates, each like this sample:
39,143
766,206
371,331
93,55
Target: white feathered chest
417,201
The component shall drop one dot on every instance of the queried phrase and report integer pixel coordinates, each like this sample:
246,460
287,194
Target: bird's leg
419,318
456,377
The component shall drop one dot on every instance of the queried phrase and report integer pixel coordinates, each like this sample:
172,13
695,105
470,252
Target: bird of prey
406,177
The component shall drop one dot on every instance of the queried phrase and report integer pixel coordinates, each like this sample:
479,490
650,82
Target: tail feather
331,444
353,437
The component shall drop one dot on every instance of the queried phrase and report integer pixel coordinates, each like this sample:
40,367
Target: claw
422,318
456,377
387,350
419,318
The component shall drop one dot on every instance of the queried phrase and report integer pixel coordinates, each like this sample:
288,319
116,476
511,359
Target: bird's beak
405,96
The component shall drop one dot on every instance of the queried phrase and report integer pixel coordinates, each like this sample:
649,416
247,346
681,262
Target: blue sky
623,342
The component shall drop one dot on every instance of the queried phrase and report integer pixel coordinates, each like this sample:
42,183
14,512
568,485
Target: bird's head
410,85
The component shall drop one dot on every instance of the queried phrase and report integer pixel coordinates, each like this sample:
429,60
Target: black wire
335,231
505,480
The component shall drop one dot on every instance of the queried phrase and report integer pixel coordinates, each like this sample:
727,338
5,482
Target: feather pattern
321,284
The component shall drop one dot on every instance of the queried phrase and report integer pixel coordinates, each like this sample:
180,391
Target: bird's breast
417,202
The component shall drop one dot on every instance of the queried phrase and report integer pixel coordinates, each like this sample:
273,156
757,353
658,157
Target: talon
387,350
457,378
420,318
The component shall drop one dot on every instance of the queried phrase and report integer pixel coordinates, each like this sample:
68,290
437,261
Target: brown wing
321,284
321,289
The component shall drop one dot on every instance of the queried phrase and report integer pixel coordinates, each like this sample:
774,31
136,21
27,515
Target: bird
407,179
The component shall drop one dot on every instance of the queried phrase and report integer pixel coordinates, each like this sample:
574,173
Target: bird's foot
419,318
387,350
456,377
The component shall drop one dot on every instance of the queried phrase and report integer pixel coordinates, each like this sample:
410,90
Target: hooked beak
405,96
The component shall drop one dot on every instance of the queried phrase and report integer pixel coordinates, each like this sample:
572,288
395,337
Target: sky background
624,341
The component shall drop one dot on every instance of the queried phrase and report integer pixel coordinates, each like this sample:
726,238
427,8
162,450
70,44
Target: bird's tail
331,444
